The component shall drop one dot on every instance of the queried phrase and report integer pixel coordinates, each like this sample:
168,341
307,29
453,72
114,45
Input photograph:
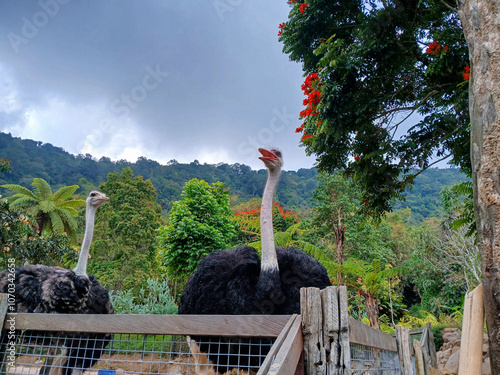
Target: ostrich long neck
81,267
269,260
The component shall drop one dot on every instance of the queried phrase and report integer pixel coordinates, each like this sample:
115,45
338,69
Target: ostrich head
272,159
96,199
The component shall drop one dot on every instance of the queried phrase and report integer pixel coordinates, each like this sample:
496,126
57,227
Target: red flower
466,73
356,158
435,49
303,7
306,137
299,129
281,26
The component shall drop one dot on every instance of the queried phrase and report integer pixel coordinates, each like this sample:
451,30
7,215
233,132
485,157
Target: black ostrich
237,282
43,289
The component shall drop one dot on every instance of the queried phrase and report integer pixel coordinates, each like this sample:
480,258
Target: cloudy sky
182,80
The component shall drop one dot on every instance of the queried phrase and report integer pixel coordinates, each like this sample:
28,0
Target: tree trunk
481,24
339,248
372,310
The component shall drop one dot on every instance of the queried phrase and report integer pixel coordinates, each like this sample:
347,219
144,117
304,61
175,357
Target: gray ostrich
238,282
44,289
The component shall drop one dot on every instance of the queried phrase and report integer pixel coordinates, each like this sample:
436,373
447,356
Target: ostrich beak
104,199
267,155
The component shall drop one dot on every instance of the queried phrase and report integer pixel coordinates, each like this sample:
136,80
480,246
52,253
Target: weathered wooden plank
4,304
360,333
432,347
471,344
264,368
419,358
288,355
312,323
345,334
209,325
331,328
403,345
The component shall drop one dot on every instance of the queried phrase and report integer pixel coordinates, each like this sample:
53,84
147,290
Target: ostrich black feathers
230,282
43,289
230,278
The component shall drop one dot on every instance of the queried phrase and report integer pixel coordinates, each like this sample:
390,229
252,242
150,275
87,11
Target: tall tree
369,66
481,29
339,203
124,249
54,212
200,223
356,92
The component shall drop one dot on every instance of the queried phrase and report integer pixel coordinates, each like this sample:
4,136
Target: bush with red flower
249,222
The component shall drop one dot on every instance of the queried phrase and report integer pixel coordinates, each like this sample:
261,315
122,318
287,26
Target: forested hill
30,159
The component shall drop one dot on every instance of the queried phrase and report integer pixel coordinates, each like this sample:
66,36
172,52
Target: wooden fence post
471,344
432,346
419,358
312,331
4,304
325,328
336,330
403,344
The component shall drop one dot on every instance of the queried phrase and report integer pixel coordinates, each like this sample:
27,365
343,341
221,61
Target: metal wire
51,353
371,361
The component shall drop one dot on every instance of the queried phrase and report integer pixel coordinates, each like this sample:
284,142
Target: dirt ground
130,364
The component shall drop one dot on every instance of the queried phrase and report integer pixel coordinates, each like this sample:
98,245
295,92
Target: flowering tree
369,66
249,222
380,62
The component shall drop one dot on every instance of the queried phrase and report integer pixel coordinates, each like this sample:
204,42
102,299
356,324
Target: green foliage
124,248
435,284
19,241
458,203
200,223
153,298
53,212
368,70
4,165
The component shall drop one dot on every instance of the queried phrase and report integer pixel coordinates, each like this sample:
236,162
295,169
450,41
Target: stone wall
449,354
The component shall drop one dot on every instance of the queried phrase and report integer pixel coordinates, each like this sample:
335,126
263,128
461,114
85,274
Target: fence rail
326,342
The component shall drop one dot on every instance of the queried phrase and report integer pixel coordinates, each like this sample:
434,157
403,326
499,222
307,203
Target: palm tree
53,212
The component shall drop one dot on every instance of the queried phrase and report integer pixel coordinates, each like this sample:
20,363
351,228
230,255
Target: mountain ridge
30,159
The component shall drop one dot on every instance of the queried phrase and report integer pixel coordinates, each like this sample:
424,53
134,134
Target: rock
486,369
453,361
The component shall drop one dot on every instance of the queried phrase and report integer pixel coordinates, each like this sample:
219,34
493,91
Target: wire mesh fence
366,360
51,353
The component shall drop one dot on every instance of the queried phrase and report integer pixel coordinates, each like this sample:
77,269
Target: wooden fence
319,341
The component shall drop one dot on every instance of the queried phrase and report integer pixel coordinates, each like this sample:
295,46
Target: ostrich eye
93,194
278,153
